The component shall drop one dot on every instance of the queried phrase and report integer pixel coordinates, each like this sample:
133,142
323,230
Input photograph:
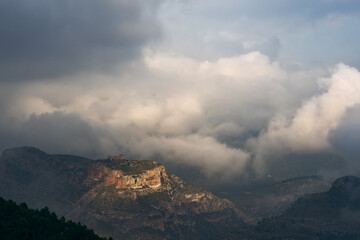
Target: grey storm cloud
51,38
56,132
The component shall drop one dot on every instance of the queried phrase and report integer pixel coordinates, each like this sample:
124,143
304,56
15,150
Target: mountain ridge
121,198
134,199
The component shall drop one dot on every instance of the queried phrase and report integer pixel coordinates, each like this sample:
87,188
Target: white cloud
194,112
194,150
253,66
196,107
190,81
308,129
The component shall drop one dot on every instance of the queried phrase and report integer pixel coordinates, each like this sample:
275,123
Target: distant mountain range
138,199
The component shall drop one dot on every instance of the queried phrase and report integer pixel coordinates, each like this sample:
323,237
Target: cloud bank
217,115
308,130
180,81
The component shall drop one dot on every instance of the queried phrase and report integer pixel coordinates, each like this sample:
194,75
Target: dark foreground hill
20,222
125,199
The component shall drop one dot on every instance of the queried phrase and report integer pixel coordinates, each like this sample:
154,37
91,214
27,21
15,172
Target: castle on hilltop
120,157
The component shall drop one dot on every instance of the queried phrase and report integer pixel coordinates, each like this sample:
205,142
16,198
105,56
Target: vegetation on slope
20,222
130,167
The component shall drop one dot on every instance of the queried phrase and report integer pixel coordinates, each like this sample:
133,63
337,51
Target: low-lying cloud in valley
122,91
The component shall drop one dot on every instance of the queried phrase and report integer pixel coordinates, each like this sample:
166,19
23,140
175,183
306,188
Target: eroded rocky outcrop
151,178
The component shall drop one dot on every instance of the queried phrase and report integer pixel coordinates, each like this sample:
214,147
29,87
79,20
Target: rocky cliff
125,199
150,178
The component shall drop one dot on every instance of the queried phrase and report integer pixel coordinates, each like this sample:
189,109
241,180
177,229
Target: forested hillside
21,222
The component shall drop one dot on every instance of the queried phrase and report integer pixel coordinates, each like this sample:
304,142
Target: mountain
284,179
266,197
334,214
30,175
138,199
343,196
21,222
125,199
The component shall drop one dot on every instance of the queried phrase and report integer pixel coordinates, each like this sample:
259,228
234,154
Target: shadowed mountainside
334,214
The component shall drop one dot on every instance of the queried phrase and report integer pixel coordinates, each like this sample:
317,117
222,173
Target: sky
223,86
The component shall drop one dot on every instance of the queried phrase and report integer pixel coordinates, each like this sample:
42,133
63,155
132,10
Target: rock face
151,178
125,199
